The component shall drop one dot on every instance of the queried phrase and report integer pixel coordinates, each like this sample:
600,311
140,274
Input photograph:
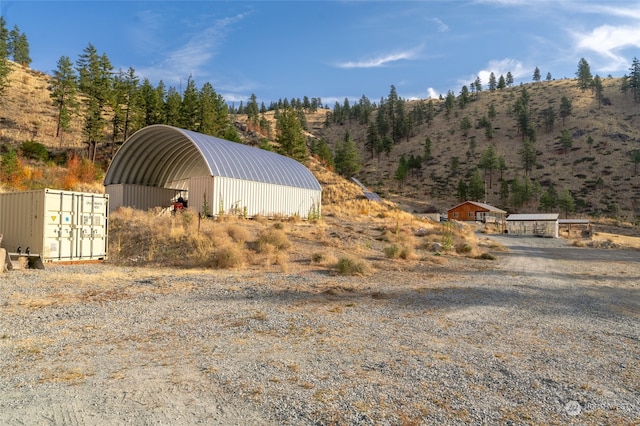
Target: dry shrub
349,265
228,256
238,233
273,237
322,258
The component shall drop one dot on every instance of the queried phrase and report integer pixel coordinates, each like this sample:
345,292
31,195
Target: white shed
540,225
159,163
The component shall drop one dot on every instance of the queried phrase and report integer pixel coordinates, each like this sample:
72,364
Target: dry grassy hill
601,176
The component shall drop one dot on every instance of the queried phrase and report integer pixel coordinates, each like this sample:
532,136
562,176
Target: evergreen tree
373,139
4,53
290,138
492,111
598,89
549,118
489,163
566,140
476,190
95,81
504,191
449,103
509,79
536,75
565,108
527,155
347,157
124,104
502,165
502,83
463,99
172,107
465,125
549,76
64,88
492,82
478,85
566,202
19,47
549,199
189,108
151,105
427,149
635,157
634,79
252,108
320,149
402,171
584,75
461,190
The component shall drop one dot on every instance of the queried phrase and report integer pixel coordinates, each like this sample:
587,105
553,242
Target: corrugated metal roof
573,221
485,206
166,156
532,217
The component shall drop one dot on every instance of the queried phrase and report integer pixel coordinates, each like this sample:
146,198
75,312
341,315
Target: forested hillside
544,146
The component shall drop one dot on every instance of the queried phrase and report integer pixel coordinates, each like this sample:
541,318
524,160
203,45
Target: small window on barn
455,214
470,214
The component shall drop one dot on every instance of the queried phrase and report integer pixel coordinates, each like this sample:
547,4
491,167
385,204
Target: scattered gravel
547,334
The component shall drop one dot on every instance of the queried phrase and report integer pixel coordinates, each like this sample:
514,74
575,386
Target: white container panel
58,225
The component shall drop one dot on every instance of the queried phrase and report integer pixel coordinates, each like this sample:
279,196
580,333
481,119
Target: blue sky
334,49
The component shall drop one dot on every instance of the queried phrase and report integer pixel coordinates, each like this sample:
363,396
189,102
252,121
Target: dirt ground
549,333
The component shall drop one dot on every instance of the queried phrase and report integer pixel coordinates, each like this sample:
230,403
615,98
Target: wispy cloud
381,61
442,27
194,55
608,41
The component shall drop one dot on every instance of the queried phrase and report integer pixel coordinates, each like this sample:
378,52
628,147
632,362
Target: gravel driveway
547,334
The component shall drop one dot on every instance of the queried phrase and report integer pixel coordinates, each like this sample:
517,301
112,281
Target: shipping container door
91,240
59,220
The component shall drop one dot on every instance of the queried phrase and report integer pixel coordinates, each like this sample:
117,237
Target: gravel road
546,334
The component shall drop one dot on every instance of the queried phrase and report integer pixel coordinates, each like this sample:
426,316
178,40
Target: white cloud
608,41
499,67
432,93
192,58
381,61
442,27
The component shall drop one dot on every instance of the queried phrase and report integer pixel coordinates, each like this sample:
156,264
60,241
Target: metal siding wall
116,196
198,187
233,195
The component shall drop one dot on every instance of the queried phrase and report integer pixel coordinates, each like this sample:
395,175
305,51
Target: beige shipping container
58,225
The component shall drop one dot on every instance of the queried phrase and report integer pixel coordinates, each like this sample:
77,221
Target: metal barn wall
237,196
140,197
58,225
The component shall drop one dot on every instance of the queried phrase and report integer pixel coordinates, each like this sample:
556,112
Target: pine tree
565,108
64,88
549,77
634,79
189,108
566,202
502,83
20,48
536,75
4,53
598,89
527,155
492,82
489,163
172,107
291,140
476,190
95,81
401,171
566,140
461,190
584,75
509,79
347,157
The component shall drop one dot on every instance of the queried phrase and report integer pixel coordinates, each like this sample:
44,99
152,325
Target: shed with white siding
539,225
159,163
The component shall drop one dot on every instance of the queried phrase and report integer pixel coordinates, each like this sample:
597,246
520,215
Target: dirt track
547,334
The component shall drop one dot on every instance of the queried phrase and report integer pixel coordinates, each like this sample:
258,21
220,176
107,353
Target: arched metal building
159,163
